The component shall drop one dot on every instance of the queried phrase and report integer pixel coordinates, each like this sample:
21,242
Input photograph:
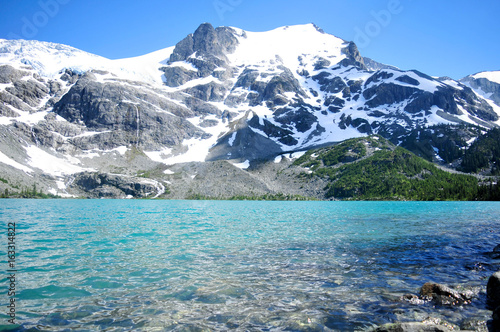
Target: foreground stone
444,295
411,327
496,318
493,290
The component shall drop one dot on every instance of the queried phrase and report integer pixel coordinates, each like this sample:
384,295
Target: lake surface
148,265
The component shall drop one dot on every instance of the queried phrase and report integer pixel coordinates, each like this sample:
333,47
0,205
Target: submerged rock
411,327
444,295
474,325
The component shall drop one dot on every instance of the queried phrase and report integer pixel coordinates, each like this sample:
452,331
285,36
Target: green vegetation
483,154
399,174
27,193
265,197
390,173
347,151
449,140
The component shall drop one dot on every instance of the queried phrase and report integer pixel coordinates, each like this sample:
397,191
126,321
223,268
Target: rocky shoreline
444,296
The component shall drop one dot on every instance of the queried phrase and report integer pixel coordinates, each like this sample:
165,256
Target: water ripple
195,266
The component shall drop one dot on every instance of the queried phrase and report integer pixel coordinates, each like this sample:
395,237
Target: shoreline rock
444,295
493,290
411,327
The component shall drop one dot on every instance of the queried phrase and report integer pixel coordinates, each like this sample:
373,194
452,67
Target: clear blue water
143,265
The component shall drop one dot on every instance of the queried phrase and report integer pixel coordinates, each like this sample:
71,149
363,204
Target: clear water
141,265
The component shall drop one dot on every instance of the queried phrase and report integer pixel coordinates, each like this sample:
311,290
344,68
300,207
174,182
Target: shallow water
142,265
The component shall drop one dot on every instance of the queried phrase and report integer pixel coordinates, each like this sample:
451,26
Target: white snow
160,188
436,151
297,155
453,83
231,139
4,86
484,95
493,76
8,161
49,163
50,60
160,155
423,83
197,150
185,65
145,67
25,117
243,165
285,45
472,140
121,150
295,47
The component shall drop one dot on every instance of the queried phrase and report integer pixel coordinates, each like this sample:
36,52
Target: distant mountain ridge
219,94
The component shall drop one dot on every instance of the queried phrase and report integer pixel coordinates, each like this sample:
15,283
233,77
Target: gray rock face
101,185
9,74
31,92
124,115
252,111
206,41
354,58
387,94
373,65
398,99
484,85
210,46
26,91
208,92
446,98
328,83
246,144
278,86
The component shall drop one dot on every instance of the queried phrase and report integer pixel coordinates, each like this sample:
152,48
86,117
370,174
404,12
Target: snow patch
185,65
231,139
8,161
159,156
50,164
121,150
243,165
492,76
297,155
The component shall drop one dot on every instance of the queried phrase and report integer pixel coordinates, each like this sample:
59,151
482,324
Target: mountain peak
220,94
205,41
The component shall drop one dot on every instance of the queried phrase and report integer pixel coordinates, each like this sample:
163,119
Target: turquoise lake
150,265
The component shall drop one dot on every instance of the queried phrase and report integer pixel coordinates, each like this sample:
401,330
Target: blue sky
439,37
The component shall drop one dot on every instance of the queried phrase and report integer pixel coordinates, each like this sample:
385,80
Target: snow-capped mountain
219,94
487,85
